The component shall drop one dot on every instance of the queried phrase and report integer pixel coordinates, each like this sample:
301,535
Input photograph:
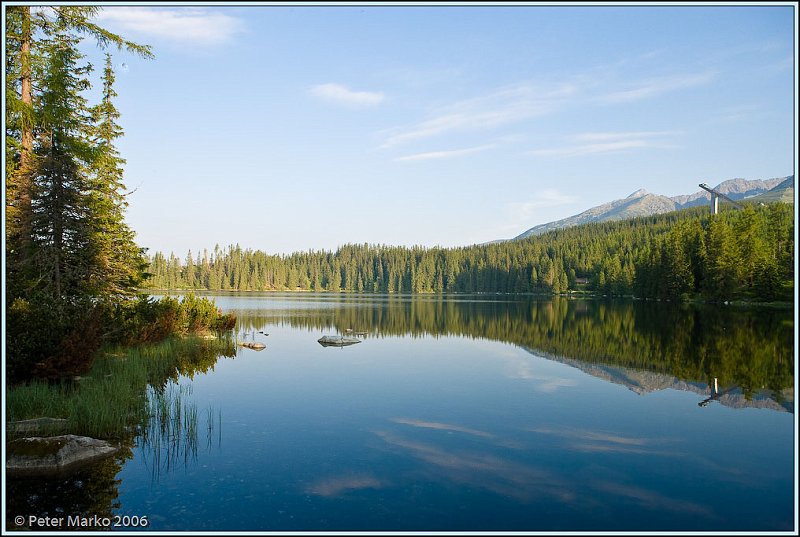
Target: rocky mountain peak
638,194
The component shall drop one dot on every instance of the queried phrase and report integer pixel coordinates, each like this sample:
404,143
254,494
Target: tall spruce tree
117,262
61,212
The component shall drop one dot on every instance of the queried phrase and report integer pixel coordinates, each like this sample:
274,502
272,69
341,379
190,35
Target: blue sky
307,127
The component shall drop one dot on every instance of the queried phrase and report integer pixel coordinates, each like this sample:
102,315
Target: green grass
112,400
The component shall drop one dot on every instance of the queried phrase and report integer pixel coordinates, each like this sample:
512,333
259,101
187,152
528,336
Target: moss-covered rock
55,454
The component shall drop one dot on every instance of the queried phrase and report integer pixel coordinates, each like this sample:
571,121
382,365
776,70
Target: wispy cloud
589,149
650,499
606,142
657,86
549,197
741,113
339,94
184,25
441,426
542,381
431,155
598,436
337,486
504,106
588,441
538,208
615,136
484,470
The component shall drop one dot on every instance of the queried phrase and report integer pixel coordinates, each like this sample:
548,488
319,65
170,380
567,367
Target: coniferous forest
73,270
737,254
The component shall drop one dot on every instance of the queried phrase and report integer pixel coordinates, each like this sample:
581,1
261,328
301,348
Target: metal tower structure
715,196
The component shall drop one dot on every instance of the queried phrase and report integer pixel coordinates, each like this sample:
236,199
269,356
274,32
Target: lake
468,413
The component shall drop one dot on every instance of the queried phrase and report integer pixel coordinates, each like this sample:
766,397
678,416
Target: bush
149,320
49,339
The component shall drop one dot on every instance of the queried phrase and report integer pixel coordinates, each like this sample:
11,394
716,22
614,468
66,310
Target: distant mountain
643,203
784,192
735,189
640,203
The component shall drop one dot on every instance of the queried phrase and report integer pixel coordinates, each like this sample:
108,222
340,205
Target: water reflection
169,438
455,432
599,441
331,487
442,427
93,490
480,468
748,350
166,440
525,473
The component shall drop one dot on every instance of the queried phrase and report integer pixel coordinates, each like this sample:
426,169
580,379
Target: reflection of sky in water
454,433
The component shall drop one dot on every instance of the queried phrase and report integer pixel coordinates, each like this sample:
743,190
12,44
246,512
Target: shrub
49,339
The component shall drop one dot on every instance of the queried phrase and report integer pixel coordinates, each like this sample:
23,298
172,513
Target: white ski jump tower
715,196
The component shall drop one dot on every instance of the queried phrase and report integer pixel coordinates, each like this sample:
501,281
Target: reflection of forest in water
167,439
747,347
751,348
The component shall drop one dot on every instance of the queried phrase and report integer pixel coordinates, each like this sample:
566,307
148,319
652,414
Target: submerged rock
54,454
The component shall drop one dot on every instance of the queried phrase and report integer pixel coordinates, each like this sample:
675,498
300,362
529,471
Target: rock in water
54,454
337,341
254,346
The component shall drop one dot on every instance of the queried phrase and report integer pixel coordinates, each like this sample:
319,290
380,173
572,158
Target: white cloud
657,86
336,93
504,106
430,155
606,142
612,136
540,208
549,197
741,113
184,25
588,149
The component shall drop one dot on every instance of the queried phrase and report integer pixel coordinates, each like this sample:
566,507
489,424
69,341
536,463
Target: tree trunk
25,79
24,179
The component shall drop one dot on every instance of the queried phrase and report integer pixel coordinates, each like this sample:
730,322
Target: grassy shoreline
111,401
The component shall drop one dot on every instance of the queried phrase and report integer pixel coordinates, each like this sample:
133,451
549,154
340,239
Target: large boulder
54,454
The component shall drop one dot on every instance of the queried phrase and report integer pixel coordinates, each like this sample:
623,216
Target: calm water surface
476,414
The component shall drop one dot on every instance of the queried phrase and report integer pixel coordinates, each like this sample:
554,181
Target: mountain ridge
644,203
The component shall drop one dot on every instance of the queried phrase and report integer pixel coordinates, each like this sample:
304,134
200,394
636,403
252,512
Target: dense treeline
736,254
73,269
